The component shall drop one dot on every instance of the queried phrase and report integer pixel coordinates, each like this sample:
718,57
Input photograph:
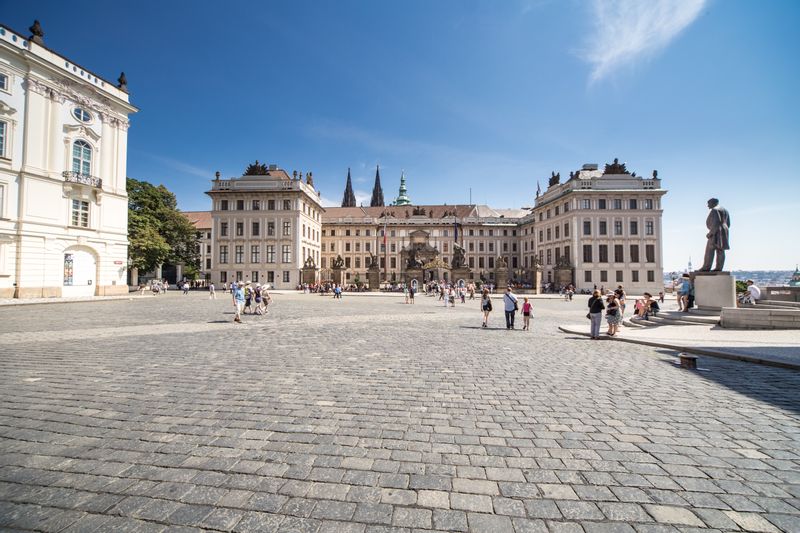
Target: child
527,313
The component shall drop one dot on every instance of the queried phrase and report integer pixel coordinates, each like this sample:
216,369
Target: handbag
589,316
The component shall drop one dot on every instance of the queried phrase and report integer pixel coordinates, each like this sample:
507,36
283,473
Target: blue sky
486,95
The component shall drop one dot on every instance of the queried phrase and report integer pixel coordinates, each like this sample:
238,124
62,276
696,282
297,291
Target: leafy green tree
158,232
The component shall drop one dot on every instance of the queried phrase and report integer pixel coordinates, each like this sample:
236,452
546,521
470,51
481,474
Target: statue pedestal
536,281
374,279
338,275
562,277
714,290
461,274
501,279
413,274
310,275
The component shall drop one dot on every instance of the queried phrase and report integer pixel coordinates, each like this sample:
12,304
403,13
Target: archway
80,272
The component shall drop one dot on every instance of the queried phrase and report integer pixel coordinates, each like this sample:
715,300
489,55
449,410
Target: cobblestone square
368,415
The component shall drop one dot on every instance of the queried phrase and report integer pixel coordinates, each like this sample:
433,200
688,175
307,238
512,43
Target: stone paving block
341,527
673,515
413,518
450,520
222,519
560,492
624,512
300,507
471,502
333,510
433,498
542,509
607,527
488,523
577,510
752,522
508,507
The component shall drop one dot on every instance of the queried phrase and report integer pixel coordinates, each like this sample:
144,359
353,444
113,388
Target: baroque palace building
63,151
598,228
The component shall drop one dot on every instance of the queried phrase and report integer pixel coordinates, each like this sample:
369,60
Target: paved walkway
366,415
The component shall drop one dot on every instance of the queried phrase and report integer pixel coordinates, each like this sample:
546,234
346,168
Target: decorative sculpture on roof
256,169
37,35
615,168
338,263
555,179
458,256
309,263
122,82
655,174
310,179
419,211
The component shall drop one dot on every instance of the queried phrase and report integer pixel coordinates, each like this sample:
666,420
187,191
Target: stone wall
755,318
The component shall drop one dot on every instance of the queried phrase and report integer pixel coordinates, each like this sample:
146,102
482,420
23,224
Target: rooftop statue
256,169
717,222
37,35
310,179
555,179
419,211
615,168
655,174
122,82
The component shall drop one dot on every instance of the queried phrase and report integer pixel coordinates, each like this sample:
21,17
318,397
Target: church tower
403,198
377,190
349,199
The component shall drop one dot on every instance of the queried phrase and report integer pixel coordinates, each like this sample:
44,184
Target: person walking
486,307
527,313
510,303
237,293
411,292
612,314
596,307
212,294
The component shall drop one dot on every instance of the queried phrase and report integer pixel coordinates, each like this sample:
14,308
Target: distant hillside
760,277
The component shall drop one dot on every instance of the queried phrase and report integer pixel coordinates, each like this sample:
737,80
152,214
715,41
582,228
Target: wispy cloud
627,31
182,167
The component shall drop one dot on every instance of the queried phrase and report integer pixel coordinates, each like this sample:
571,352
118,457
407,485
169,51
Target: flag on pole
538,188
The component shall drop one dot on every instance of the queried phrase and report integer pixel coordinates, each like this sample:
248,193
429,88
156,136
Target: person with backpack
486,307
595,314
510,304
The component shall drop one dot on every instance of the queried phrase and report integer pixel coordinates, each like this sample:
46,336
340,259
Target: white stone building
600,228
63,151
264,226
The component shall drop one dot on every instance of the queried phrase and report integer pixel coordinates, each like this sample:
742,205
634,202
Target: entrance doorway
80,273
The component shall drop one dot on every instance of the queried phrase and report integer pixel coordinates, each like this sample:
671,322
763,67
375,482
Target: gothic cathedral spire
349,199
377,191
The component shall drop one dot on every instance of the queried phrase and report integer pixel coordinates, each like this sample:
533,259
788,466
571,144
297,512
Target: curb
65,301
700,351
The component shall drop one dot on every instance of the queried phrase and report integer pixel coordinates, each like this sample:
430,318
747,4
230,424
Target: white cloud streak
626,31
180,166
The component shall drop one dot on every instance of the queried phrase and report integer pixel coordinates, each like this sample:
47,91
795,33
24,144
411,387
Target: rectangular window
634,227
366,247
256,229
240,205
286,253
287,229
549,234
358,262
602,228
238,254
208,264
347,262
4,82
481,262
649,227
587,227
617,227
223,277
223,205
472,262
3,137
650,253
601,204
347,247
270,229
393,262
270,276
471,246
602,253
635,276
634,253
604,276
368,233
632,204
286,277
347,233
587,276
587,253
491,262
80,213
617,203
619,276
491,247
549,257
619,253
324,263
255,252
541,235
240,229
270,253
287,205
223,229
566,230
223,254
256,205
586,204
567,255
254,276
566,207
558,229
648,203
271,205
651,276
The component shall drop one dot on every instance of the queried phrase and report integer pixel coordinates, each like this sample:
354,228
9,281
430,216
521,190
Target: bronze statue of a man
718,222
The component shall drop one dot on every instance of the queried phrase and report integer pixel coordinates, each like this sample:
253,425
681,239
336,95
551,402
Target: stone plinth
714,290
338,275
501,279
563,277
536,281
413,274
461,273
309,275
374,279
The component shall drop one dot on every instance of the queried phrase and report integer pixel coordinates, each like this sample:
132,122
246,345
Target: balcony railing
83,179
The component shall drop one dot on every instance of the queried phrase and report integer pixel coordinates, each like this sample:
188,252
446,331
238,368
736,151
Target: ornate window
81,114
81,157
4,82
3,138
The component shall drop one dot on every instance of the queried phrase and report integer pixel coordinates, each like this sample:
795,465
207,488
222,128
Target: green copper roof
402,198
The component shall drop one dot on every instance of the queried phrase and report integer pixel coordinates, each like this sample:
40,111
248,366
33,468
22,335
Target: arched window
82,157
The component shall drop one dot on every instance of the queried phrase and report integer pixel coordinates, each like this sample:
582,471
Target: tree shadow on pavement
769,384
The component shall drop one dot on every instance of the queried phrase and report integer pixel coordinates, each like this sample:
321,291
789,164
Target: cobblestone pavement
368,415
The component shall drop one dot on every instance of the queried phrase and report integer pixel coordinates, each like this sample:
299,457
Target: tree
158,232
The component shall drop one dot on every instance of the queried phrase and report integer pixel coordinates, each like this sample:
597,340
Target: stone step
779,303
692,317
